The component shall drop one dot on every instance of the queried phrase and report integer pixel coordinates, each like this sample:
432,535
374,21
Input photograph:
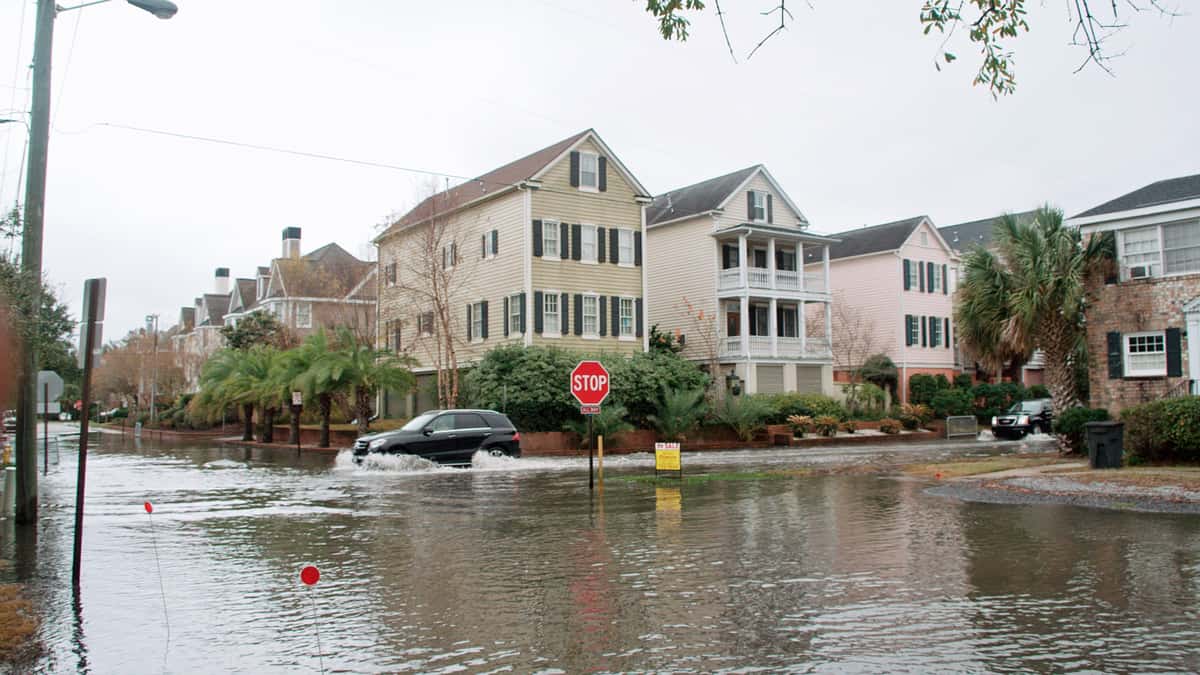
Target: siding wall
735,210
683,264
614,208
915,302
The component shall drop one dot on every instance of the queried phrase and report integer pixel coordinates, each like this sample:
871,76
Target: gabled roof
215,307
1155,194
327,272
874,239
501,180
187,317
244,292
964,236
711,195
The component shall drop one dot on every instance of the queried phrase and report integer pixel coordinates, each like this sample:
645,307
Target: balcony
786,347
730,279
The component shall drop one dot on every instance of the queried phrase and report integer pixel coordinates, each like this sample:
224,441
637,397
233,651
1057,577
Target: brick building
1143,323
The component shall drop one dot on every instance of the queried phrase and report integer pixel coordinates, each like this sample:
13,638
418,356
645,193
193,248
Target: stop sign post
589,386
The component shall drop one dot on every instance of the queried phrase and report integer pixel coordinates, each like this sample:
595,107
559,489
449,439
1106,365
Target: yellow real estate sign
666,457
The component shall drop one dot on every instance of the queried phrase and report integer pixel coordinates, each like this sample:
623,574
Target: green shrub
849,426
922,388
1038,391
880,371
963,381
120,414
952,402
826,425
993,399
746,415
889,426
864,399
1070,425
638,380
784,406
1164,431
611,420
800,424
678,412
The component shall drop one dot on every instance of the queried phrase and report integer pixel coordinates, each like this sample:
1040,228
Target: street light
31,240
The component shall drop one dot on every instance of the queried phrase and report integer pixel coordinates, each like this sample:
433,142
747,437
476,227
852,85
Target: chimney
291,242
221,281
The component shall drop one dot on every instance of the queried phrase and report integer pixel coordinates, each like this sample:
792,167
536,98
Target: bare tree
705,329
855,336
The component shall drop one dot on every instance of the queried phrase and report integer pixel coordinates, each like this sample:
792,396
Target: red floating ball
310,575
149,507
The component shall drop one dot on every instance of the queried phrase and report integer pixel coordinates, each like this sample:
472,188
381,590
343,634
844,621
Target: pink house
893,287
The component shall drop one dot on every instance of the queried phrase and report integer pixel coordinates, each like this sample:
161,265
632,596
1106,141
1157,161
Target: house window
425,324
914,331
477,321
759,257
1139,253
591,315
589,170
1145,354
514,314
550,243
785,321
626,317
935,331
924,238
914,276
785,260
758,210
449,256
587,243
491,243
625,247
758,320
389,274
304,315
550,316
733,320
936,277
1181,247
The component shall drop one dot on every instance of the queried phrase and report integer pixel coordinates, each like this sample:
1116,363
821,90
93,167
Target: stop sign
589,383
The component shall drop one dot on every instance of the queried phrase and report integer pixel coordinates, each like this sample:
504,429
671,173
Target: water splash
224,464
389,463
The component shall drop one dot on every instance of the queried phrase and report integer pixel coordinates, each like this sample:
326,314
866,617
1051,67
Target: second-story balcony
755,257
785,347
761,278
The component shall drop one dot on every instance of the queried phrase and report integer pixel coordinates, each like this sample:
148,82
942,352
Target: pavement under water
515,565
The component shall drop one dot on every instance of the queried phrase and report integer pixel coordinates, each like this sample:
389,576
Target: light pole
31,244
152,325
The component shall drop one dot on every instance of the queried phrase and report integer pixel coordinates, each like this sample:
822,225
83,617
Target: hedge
1070,425
784,406
1163,431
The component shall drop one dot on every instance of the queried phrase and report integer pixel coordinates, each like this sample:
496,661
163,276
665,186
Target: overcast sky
845,108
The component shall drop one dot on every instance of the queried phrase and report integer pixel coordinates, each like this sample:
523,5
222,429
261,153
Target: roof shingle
964,236
874,239
1163,192
697,198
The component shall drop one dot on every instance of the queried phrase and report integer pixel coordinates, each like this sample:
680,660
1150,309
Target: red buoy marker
149,507
310,575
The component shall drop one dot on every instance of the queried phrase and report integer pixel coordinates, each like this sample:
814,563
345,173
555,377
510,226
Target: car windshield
1026,407
418,423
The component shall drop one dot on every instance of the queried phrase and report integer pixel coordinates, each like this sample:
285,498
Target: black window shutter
538,305
616,316
637,249
602,180
505,321
1116,357
638,317
574,169
770,210
521,319
750,206
725,262
921,276
929,274
483,320
600,244
1174,356
945,281
578,314
562,310
907,279
603,307
496,242
576,249
564,241
483,246
947,335
614,246
537,238
924,337
908,328
469,326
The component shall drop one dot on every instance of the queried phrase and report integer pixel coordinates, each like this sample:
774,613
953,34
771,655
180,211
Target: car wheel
496,452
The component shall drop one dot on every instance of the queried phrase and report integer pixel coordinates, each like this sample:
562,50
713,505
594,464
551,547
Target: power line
12,103
62,87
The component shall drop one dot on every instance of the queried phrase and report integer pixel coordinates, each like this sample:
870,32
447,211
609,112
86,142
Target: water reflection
518,565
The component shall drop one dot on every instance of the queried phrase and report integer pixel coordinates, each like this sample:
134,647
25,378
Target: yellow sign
666,457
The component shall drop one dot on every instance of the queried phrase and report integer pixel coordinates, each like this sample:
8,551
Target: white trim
632,316
953,255
604,150
760,169
750,217
583,227
621,261
557,332
596,157
527,255
1129,372
645,294
309,305
509,315
373,272
583,316
1112,219
557,227
389,232
712,212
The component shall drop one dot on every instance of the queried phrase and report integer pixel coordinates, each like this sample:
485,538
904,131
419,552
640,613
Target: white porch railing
786,347
730,278
787,281
758,277
814,282
731,346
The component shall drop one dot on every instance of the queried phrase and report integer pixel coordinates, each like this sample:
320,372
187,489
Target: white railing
817,346
730,278
814,282
731,345
787,280
760,345
758,277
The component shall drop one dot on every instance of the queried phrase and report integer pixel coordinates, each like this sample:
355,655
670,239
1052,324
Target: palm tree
1030,295
322,378
261,366
366,370
292,368
224,381
678,412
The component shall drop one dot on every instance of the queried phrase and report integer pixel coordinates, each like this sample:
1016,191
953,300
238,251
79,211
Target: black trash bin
1106,444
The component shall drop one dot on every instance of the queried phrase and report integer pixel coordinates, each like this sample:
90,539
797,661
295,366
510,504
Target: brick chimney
221,281
291,242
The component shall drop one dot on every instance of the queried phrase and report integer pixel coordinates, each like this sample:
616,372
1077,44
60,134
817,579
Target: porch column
742,262
771,264
802,328
825,257
772,327
744,315
800,264
828,313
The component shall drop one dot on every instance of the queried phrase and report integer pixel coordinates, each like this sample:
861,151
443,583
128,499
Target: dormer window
758,210
589,171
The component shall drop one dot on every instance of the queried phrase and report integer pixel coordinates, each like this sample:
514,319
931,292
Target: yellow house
545,250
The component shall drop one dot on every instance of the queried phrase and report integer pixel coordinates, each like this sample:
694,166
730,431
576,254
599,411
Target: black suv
1023,418
446,437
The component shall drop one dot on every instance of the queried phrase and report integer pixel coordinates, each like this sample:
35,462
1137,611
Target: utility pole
31,265
152,321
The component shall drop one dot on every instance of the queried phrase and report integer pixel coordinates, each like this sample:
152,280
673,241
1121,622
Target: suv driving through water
1023,418
445,437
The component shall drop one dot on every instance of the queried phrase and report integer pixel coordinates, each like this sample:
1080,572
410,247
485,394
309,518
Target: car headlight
377,443
1023,420
993,421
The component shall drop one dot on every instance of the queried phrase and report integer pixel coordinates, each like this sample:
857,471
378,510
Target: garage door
808,379
770,379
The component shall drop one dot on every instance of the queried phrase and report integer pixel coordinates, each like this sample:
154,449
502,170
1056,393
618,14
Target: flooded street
513,566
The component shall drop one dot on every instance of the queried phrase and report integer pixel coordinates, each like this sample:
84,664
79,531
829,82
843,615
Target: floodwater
515,566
